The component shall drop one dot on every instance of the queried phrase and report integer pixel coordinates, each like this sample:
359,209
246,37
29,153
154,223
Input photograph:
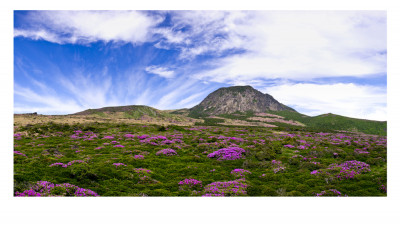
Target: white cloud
204,32
90,92
174,91
40,34
43,103
89,26
160,71
273,44
192,100
283,44
83,92
358,101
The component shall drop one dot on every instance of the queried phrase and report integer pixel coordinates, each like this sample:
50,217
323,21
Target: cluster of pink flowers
330,192
118,164
351,168
108,137
86,137
68,164
228,188
346,170
189,184
159,140
142,171
141,137
167,151
144,175
230,153
119,146
138,156
314,172
361,151
45,188
306,159
129,136
288,146
17,135
277,166
19,153
383,188
240,172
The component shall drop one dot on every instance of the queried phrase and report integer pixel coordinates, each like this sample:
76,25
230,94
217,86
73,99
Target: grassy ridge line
129,108
336,122
321,122
131,112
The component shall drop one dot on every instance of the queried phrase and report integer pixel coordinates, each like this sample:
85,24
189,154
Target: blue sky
314,61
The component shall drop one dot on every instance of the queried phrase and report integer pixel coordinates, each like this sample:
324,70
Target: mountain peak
233,99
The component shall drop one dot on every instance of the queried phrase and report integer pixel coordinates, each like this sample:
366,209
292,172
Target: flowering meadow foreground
103,159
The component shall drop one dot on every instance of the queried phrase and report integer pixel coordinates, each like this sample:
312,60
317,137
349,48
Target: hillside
336,122
132,110
236,99
233,106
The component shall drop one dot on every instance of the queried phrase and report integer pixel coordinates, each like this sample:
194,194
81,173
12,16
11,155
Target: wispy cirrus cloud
196,33
160,71
301,46
88,26
359,101
43,102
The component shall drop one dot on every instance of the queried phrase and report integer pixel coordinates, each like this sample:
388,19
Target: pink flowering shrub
240,173
167,152
108,137
118,164
19,153
230,153
68,164
330,192
277,166
361,151
228,188
346,170
119,146
138,156
144,175
190,184
45,188
288,146
129,136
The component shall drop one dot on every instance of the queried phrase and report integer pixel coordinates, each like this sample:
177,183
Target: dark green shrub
162,129
268,191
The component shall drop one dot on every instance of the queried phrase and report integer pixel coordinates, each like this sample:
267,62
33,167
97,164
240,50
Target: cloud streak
359,101
302,46
89,26
160,71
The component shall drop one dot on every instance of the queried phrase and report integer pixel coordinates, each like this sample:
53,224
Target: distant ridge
237,99
244,104
127,108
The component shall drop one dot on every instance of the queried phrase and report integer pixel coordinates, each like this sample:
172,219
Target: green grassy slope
337,122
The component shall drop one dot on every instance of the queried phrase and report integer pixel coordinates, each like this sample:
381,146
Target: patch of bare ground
277,120
23,120
269,115
216,117
245,123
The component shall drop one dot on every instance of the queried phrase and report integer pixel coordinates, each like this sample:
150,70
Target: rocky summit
237,99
